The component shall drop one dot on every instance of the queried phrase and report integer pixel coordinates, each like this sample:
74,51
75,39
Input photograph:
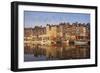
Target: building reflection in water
58,52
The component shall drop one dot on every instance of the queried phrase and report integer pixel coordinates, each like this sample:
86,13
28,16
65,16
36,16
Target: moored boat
80,42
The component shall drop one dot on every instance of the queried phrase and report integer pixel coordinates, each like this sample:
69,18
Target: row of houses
56,33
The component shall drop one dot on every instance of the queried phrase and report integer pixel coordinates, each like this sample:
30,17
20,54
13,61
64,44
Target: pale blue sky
33,18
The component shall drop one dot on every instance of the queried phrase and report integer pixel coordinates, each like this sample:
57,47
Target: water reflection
57,52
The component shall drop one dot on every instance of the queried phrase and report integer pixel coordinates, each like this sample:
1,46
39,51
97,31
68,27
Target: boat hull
80,42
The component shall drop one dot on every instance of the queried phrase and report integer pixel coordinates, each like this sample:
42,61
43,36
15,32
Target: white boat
80,42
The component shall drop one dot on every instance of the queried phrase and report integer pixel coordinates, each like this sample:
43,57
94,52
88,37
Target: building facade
55,34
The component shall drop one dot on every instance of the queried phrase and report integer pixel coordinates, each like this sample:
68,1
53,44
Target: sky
35,18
